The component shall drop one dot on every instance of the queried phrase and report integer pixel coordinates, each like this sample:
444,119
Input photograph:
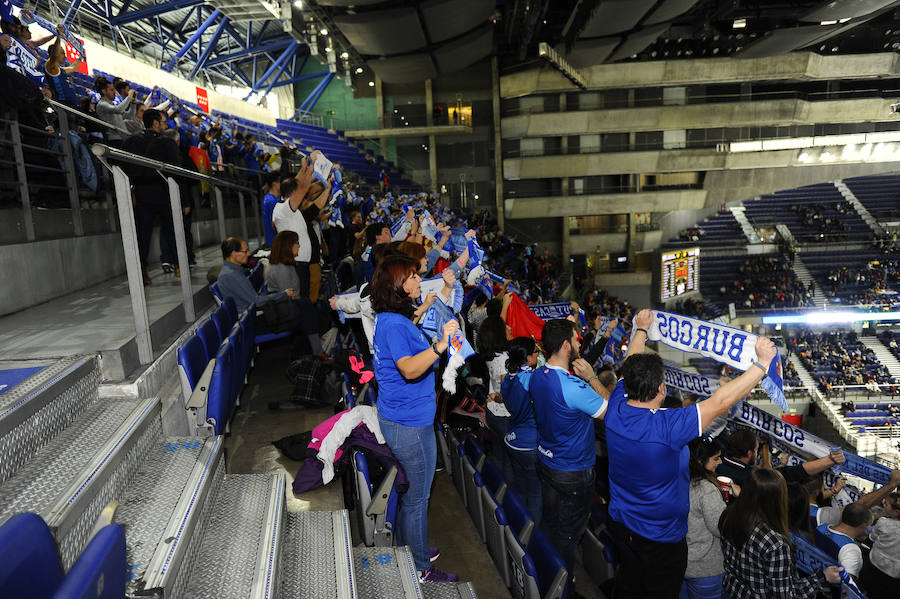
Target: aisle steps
804,276
884,355
190,529
859,207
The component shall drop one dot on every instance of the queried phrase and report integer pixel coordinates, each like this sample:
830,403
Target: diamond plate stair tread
39,482
376,576
442,590
37,380
226,562
146,507
307,556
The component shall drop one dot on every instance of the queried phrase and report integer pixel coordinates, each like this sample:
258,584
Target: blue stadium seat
209,335
457,455
248,326
101,570
493,479
216,293
222,319
443,448
552,577
192,362
221,397
238,370
29,565
475,452
495,525
376,508
474,487
229,305
519,520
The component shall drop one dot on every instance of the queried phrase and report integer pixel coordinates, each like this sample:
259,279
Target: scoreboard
680,272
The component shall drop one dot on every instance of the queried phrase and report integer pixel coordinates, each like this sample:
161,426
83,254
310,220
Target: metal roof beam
152,11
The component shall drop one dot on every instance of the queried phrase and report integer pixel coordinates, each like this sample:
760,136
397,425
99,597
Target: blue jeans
707,587
416,449
524,480
567,498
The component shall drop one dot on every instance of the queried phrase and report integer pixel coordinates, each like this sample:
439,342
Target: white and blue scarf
558,310
811,559
432,324
722,343
690,382
612,353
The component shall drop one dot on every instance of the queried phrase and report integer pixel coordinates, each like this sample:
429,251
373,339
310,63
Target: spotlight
359,70
371,84
323,31
298,4
345,54
739,24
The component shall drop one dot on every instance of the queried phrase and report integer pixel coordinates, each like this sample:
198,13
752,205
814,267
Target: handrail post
181,247
243,216
71,179
22,176
220,211
133,265
260,231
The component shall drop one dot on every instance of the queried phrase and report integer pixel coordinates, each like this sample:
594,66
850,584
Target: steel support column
278,64
152,11
210,46
193,39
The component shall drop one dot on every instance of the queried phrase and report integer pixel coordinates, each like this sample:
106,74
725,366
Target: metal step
386,572
448,590
39,408
238,553
72,478
162,508
318,556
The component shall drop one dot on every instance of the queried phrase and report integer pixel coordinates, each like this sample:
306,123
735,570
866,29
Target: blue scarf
812,559
690,382
558,310
722,343
613,353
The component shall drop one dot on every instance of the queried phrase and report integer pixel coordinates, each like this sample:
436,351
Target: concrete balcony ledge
794,66
613,242
612,203
764,113
410,131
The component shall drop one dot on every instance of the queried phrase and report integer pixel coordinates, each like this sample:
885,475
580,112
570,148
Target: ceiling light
345,54
328,49
298,4
359,70
323,31
739,24
371,84
828,22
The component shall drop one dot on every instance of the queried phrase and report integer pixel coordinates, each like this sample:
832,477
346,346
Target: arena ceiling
267,43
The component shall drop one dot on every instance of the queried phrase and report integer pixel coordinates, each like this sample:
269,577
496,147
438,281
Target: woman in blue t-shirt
404,369
521,434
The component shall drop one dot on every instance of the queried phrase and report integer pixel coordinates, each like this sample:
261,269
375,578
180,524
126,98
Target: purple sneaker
433,554
434,575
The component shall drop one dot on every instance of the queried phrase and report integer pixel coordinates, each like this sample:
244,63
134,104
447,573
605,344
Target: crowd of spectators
838,359
880,280
767,282
827,228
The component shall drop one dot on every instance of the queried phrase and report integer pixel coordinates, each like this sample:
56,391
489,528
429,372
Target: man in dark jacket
151,194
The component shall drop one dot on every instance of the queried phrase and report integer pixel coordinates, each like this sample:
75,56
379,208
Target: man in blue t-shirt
272,197
564,408
648,465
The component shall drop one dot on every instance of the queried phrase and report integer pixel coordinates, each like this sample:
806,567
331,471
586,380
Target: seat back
222,320
376,507
495,525
474,485
523,574
493,479
597,557
475,452
520,521
192,361
363,498
256,277
209,335
216,292
552,576
248,327
221,395
442,446
229,305
457,454
29,565
101,570
238,368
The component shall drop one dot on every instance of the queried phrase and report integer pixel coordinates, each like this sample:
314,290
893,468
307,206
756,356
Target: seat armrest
382,493
201,390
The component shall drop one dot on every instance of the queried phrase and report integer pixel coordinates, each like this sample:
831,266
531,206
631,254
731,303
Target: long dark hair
701,451
798,510
519,349
492,337
763,499
387,284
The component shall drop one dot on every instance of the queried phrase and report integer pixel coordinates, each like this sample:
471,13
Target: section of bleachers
815,213
720,229
855,277
839,359
751,282
880,194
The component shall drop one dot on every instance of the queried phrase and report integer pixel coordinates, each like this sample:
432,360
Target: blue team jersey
521,432
565,407
649,480
407,402
268,208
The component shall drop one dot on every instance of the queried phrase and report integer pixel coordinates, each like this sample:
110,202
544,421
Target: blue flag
485,287
476,253
612,353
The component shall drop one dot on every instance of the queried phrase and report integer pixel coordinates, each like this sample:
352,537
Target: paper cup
724,486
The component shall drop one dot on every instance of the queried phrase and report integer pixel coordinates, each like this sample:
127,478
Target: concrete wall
632,286
611,203
74,263
612,242
696,116
791,66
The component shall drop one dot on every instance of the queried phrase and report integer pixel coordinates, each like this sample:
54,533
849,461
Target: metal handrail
104,151
58,106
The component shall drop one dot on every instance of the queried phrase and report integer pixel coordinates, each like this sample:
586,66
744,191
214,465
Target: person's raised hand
643,319
290,293
837,457
332,301
895,477
833,574
765,351
60,30
839,484
470,234
450,327
429,298
449,277
582,369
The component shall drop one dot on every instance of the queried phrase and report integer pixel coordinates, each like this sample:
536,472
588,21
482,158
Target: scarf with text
690,382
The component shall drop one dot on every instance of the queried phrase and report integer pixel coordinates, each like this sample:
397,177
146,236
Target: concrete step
804,276
884,354
859,207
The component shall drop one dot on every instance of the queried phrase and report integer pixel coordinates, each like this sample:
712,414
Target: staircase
804,276
884,355
805,377
191,530
860,209
741,217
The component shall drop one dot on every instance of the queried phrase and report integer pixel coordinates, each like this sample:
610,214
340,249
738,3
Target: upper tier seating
854,277
720,229
880,194
756,282
839,359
